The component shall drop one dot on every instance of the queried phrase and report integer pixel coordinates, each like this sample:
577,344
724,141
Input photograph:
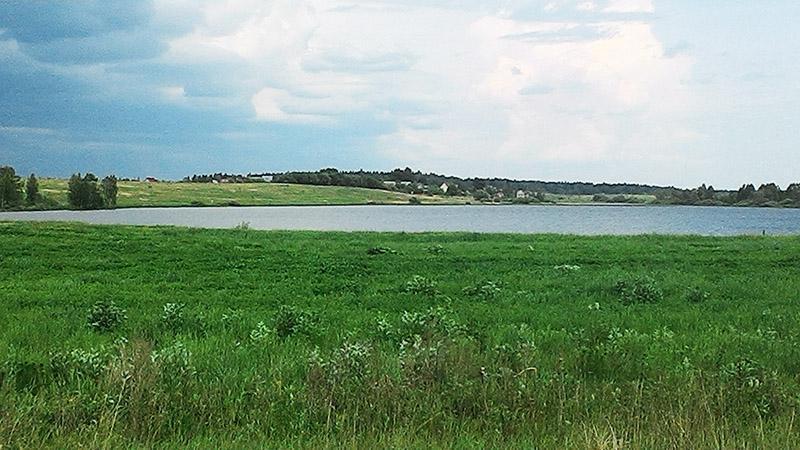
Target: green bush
105,316
421,286
696,295
488,290
380,251
638,291
750,389
290,320
173,316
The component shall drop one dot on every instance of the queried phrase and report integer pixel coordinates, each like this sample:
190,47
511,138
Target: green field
133,194
246,339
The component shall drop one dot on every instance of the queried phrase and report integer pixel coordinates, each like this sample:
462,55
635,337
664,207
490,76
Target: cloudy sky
672,92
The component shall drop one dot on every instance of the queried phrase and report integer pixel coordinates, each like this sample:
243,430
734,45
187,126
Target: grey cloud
536,89
33,21
576,33
116,46
353,62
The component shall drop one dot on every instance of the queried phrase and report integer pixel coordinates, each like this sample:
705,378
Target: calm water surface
587,220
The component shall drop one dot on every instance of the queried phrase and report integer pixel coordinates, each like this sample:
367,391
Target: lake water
586,220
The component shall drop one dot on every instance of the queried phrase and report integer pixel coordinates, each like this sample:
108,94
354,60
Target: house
405,183
444,187
267,178
522,194
390,184
151,180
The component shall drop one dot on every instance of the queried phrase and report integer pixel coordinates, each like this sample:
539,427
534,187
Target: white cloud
630,6
455,84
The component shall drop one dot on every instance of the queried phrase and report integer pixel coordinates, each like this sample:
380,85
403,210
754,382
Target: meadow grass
134,194
115,337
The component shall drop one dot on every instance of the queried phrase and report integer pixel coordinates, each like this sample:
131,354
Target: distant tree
32,190
745,193
84,193
771,192
10,188
793,191
110,191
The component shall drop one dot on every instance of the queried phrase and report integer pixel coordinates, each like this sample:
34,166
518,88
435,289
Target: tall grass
230,339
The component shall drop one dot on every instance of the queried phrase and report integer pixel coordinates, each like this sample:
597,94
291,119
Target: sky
669,92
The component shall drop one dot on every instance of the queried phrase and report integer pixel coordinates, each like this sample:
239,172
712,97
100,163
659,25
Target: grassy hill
140,194
249,339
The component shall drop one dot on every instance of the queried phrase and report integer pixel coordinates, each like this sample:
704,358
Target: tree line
769,194
488,189
84,192
416,182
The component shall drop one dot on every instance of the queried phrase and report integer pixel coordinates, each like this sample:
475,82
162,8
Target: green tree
745,193
10,188
793,191
770,191
32,190
84,192
110,190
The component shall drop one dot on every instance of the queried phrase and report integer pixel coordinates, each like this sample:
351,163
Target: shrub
173,315
340,378
77,363
436,323
421,286
174,360
696,295
638,290
750,389
380,251
260,333
436,250
414,201
105,316
291,320
488,290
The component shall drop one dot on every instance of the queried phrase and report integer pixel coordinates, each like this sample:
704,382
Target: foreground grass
134,194
300,339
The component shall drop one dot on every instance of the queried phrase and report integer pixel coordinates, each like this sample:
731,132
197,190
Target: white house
390,184
444,187
522,194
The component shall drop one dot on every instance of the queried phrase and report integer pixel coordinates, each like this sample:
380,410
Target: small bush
340,378
105,316
380,251
291,320
638,290
261,333
414,201
436,323
696,295
750,389
436,250
77,363
174,360
421,286
488,290
173,315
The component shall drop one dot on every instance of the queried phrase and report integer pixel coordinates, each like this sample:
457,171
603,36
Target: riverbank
223,338
136,194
